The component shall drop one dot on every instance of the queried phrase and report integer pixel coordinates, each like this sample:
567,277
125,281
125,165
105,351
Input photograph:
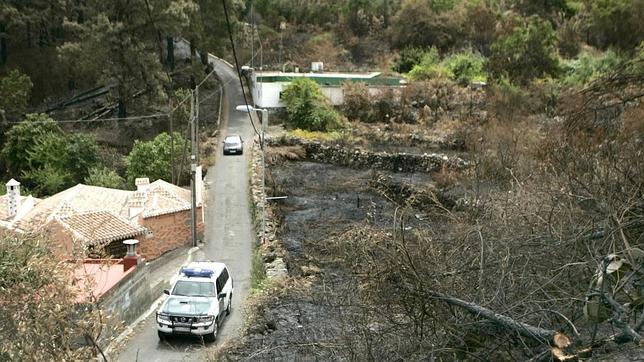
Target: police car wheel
212,336
162,336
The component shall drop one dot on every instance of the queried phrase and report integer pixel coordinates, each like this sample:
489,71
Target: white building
267,86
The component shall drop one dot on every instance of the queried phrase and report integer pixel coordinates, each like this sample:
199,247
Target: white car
233,145
197,302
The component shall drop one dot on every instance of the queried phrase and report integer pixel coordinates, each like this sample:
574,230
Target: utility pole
197,123
252,36
262,144
193,167
171,115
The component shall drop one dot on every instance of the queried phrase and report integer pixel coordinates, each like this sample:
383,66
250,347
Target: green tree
307,108
526,53
614,23
121,43
480,25
408,58
15,88
21,139
104,177
152,158
418,24
82,155
57,162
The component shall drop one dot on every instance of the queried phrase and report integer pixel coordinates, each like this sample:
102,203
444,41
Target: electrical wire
241,83
158,115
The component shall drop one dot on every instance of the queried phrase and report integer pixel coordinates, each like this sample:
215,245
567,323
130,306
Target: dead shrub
445,178
275,155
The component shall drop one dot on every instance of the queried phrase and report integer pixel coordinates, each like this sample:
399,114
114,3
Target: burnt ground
315,314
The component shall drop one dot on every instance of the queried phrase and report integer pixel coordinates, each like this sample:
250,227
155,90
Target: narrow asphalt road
228,236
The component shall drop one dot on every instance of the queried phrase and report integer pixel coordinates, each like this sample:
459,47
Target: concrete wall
169,232
267,95
128,300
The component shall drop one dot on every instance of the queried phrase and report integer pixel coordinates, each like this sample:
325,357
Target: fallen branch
545,336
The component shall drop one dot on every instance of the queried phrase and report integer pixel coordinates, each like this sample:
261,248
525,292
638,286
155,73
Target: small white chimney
13,196
142,184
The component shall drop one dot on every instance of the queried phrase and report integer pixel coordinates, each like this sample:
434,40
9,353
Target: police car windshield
191,288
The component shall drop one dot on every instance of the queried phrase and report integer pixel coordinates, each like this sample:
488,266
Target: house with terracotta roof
93,221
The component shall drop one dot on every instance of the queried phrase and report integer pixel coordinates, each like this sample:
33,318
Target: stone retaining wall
359,159
270,248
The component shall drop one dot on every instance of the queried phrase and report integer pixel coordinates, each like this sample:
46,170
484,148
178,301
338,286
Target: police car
197,302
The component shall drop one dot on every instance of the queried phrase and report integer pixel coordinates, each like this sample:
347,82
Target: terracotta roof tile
165,198
4,205
78,199
100,227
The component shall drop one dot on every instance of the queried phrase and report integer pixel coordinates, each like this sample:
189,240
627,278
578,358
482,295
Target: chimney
13,196
142,184
131,259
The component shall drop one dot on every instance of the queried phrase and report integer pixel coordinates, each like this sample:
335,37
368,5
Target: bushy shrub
507,100
356,101
308,109
526,53
588,67
408,58
466,67
569,39
429,67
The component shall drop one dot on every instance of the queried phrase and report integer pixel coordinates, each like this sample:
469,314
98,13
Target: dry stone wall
360,159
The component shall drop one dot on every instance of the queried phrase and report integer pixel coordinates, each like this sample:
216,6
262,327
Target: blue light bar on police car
196,272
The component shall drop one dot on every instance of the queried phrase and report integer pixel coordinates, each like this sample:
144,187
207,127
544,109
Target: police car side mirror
221,295
165,291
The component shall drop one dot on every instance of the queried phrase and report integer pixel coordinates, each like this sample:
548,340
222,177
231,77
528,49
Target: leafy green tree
526,53
15,88
307,108
408,58
59,161
21,139
121,43
614,23
82,154
104,177
48,179
421,24
152,158
480,25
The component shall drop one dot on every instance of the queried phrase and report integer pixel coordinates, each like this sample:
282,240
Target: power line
232,44
158,115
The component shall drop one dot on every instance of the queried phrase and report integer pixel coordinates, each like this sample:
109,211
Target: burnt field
492,254
318,312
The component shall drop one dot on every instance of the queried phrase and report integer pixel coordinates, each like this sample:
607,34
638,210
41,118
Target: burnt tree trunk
3,44
170,49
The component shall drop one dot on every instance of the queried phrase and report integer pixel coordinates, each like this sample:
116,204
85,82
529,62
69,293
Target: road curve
228,235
